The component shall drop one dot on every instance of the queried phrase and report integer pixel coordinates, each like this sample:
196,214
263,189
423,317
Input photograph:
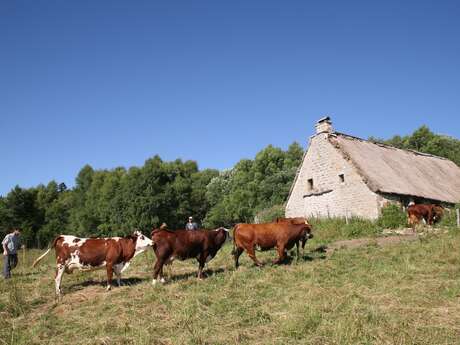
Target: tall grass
449,218
332,229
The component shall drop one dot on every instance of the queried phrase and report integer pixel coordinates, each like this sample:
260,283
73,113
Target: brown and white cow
169,245
86,254
430,213
283,234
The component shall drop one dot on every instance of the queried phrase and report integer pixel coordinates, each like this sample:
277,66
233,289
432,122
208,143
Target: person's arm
4,244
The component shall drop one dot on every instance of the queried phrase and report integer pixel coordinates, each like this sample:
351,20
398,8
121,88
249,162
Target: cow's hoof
109,287
162,280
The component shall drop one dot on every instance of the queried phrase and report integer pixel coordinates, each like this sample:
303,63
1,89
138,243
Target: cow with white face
113,253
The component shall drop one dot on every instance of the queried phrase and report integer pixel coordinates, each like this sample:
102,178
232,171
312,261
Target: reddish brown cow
437,213
113,253
185,244
431,213
282,234
298,220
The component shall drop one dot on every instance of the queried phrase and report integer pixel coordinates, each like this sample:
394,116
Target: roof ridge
390,146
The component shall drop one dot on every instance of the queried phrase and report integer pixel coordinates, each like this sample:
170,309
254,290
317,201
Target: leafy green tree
424,140
23,213
252,186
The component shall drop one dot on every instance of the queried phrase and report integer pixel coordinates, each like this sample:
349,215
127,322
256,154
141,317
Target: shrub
332,229
449,218
269,214
392,217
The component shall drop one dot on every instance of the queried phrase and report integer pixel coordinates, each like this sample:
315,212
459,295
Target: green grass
333,229
407,293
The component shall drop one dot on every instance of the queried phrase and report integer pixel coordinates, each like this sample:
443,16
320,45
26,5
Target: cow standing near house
169,245
282,234
430,213
304,240
86,254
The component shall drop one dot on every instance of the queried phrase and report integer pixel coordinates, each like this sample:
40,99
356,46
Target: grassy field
407,293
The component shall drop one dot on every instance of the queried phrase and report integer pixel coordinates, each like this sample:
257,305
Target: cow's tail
45,253
234,239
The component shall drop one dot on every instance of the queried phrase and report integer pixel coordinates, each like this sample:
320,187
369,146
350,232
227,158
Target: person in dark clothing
191,225
11,244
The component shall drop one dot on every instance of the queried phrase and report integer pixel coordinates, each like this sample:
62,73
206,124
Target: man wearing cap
191,225
10,246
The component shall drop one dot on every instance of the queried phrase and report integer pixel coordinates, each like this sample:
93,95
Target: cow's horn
306,222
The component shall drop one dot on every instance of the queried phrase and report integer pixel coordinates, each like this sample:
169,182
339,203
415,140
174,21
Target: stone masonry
327,184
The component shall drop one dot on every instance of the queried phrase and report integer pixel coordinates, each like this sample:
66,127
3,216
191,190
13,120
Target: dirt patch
389,237
379,241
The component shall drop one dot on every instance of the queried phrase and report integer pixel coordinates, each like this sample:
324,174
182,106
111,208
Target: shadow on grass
184,276
316,254
103,283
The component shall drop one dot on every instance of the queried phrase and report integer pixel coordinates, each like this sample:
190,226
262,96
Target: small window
342,178
310,184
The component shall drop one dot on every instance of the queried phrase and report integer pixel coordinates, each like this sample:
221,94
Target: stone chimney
324,125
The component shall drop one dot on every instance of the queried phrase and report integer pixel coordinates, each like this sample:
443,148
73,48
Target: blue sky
112,83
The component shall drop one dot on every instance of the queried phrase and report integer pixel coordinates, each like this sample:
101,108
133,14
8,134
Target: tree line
117,201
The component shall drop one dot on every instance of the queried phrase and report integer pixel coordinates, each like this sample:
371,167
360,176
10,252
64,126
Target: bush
449,218
392,217
269,214
332,229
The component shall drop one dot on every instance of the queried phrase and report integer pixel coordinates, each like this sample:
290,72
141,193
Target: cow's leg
201,264
109,268
125,267
281,254
58,278
304,241
158,270
413,221
117,270
236,255
252,255
297,245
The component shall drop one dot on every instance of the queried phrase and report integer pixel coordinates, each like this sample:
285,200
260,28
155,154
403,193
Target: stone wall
330,195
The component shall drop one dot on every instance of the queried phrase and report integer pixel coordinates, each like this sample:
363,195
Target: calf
85,254
183,244
282,234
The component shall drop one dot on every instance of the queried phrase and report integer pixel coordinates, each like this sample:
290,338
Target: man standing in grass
10,252
191,225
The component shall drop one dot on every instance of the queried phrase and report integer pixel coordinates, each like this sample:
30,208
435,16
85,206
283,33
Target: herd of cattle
115,253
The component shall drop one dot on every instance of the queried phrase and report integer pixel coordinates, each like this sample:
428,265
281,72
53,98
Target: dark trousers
10,261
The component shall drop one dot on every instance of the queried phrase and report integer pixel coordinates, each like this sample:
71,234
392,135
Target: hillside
407,293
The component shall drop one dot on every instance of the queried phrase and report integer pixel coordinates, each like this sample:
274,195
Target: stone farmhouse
345,176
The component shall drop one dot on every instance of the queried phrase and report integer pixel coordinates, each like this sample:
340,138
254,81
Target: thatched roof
386,169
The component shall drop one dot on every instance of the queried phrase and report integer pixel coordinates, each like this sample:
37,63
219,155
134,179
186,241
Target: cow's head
142,242
225,232
307,234
308,230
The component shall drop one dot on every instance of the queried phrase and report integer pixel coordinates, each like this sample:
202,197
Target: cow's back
92,252
181,243
419,210
264,235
